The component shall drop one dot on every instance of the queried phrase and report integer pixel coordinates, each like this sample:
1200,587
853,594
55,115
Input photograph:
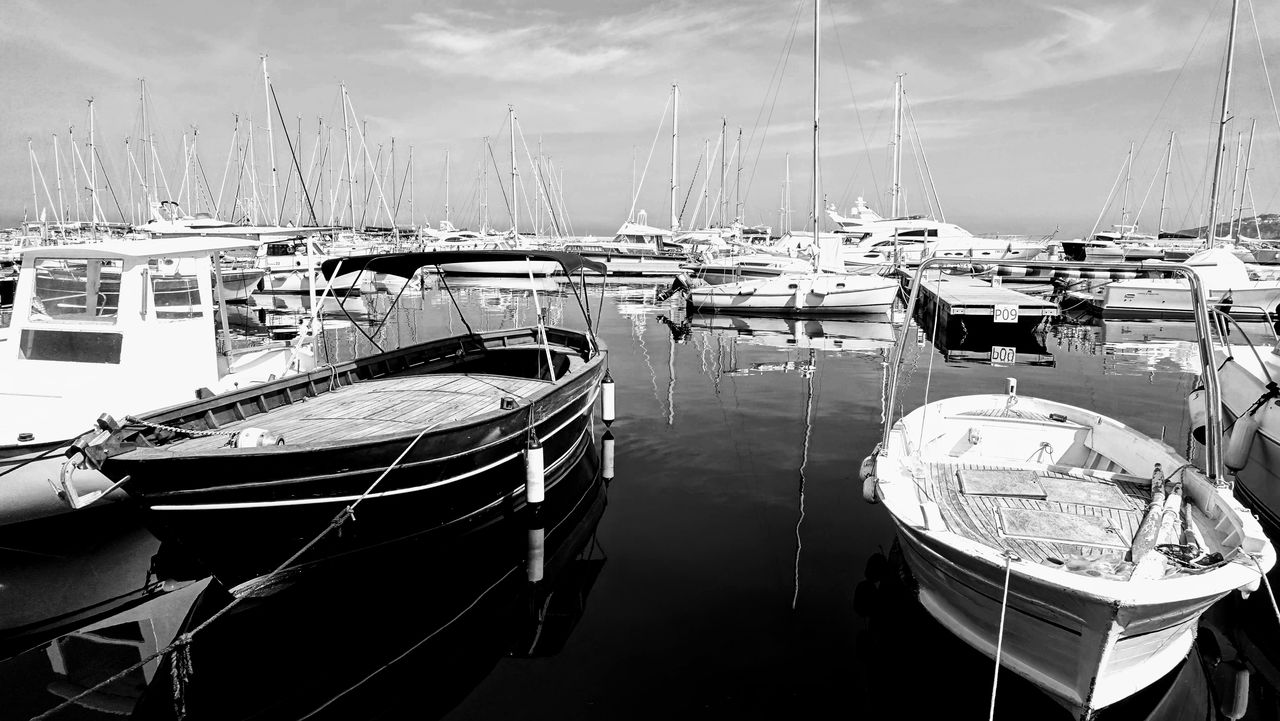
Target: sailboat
1075,550
1226,278
814,291
871,240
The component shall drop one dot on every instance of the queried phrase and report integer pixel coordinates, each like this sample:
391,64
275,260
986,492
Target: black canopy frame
405,265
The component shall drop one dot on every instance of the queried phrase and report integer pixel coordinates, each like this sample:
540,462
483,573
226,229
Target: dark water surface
729,569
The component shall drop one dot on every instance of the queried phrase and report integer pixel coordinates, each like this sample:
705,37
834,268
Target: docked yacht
636,249
124,326
869,239
1225,277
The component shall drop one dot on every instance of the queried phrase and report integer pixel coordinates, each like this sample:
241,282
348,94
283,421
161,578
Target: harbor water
720,563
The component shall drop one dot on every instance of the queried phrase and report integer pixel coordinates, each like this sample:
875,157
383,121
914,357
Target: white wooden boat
123,326
1078,551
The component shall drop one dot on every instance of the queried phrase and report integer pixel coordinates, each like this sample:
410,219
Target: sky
1021,114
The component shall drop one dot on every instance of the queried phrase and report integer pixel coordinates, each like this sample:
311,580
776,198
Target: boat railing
1223,321
1214,466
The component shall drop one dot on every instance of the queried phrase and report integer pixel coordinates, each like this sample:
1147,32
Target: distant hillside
1268,223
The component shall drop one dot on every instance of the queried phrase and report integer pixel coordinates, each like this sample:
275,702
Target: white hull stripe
384,494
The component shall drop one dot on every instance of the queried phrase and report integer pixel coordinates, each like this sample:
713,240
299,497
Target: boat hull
1085,651
1161,298
297,281
798,294
244,513
636,264
1258,483
29,475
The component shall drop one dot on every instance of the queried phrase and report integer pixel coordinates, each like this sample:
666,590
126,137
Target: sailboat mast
1244,180
817,197
515,201
446,185
351,191
1165,189
675,149
57,167
271,146
148,162
31,161
1124,203
93,173
785,227
895,185
1235,176
1222,126
706,192
412,223
737,183
724,159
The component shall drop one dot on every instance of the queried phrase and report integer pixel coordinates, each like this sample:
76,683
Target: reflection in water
413,626
903,644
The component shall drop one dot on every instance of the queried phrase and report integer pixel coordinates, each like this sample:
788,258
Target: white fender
1240,441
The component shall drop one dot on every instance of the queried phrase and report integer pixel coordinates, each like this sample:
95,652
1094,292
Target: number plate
1003,355
1004,314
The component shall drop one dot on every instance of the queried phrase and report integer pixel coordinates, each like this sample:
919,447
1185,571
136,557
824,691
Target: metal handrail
1220,316
1214,467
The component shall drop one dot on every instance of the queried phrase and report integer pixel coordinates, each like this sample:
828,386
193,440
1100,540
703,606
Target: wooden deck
977,517
378,407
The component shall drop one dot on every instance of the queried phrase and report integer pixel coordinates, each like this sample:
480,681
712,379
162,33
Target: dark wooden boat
424,439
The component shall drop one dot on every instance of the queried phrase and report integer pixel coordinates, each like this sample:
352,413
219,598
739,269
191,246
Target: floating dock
973,305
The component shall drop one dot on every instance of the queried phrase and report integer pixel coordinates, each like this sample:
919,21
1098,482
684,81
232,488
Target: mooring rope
1267,584
1004,605
181,664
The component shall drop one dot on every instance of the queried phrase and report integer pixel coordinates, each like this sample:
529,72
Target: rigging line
875,185
292,154
631,213
501,186
208,189
917,151
1265,72
1186,61
106,178
689,192
779,71
1138,214
928,173
1110,197
368,186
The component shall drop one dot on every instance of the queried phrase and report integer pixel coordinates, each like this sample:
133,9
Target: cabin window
175,288
277,249
70,346
76,290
